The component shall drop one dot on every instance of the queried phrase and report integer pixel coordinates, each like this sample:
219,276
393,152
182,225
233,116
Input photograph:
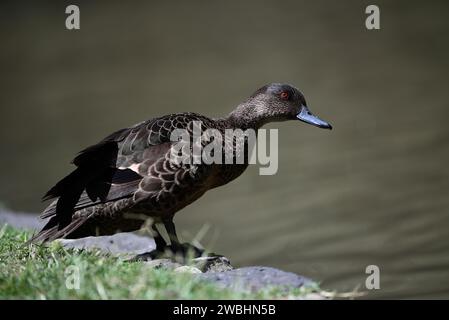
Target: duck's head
277,102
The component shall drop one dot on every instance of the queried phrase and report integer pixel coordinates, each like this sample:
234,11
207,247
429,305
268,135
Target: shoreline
217,270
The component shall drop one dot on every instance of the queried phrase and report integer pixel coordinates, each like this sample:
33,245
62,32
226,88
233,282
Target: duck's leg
161,245
158,239
175,245
171,230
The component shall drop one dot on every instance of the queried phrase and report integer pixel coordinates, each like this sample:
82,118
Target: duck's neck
245,116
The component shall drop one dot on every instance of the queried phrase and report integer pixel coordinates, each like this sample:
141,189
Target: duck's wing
131,162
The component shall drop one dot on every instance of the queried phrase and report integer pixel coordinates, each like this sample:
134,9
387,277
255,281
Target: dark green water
372,191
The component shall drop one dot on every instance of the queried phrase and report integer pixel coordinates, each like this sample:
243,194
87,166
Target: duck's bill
306,116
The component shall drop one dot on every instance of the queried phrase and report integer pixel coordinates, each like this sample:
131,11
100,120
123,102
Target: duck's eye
284,95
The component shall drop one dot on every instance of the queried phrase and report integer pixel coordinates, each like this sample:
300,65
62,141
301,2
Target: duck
130,176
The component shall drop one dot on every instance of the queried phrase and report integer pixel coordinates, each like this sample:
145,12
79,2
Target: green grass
42,272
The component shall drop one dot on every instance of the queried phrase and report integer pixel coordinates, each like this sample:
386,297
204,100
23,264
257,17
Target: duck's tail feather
51,231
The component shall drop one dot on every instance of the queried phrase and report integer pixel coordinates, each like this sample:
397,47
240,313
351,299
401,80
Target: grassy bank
48,272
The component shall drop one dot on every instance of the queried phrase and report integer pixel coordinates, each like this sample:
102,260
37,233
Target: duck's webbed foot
185,250
175,251
147,256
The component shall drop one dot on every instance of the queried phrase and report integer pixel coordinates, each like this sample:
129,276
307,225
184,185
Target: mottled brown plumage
129,174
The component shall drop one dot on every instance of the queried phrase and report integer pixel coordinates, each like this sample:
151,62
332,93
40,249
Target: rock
162,264
123,244
213,264
21,220
256,278
188,269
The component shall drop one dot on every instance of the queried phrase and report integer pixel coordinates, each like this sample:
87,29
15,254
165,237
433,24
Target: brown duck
130,175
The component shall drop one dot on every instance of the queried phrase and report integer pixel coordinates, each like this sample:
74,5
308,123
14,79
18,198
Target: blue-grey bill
306,116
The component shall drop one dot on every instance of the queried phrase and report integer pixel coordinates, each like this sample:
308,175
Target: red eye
284,95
